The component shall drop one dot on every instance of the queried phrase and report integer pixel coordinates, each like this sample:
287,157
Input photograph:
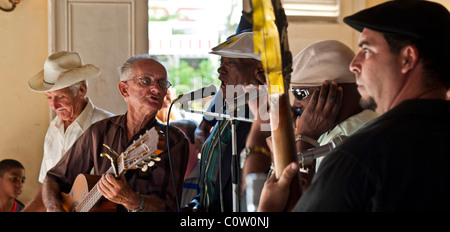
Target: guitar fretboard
93,196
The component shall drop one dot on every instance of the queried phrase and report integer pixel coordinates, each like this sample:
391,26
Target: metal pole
235,169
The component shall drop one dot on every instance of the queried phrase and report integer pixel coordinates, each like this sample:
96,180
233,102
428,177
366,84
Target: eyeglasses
148,80
301,94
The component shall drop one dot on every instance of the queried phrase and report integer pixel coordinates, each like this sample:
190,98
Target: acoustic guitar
143,153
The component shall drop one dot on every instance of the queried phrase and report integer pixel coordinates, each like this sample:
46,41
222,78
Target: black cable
220,169
170,158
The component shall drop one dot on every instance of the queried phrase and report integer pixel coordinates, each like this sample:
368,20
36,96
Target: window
327,10
181,35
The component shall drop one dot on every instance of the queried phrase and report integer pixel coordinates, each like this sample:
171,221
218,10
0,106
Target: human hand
275,193
321,112
118,191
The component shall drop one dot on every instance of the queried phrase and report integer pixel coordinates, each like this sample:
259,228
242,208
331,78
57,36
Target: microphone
195,95
315,153
243,99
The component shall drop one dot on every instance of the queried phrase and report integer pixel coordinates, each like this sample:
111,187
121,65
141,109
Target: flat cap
419,19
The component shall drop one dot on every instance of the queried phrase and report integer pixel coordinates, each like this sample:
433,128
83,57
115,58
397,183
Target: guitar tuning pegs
145,165
157,159
151,163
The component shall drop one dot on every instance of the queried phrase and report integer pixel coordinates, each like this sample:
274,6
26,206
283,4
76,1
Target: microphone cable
169,153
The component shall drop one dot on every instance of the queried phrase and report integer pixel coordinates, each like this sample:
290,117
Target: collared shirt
347,128
58,141
84,156
216,158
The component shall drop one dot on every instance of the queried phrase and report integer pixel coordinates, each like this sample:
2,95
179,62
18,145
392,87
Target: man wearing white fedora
64,82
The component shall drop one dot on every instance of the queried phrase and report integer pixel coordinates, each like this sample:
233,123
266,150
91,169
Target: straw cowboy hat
237,46
61,70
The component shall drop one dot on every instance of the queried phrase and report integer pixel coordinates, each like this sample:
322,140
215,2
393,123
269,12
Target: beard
368,104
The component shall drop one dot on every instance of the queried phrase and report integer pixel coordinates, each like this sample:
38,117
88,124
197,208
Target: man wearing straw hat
64,82
143,85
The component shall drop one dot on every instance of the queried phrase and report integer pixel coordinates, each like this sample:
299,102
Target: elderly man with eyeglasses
143,84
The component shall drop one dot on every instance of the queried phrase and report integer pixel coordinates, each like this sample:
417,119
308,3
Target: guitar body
81,187
143,153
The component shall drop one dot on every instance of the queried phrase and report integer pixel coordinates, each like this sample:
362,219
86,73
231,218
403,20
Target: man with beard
405,78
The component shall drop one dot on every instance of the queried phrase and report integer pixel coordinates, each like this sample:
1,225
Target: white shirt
347,128
58,141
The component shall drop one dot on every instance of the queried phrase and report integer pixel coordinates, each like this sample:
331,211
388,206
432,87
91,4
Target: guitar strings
89,201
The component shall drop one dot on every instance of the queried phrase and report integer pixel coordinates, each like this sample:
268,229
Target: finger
337,105
288,174
102,186
313,101
322,96
110,179
331,98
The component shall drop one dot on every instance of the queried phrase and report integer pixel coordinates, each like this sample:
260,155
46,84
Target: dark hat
244,26
423,20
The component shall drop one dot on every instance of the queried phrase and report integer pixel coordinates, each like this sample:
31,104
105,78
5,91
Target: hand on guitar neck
118,191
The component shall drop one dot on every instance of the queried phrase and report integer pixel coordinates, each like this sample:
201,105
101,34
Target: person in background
161,116
239,67
12,179
405,79
64,83
192,175
207,123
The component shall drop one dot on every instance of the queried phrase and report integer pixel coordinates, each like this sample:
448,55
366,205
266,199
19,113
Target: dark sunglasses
148,80
301,94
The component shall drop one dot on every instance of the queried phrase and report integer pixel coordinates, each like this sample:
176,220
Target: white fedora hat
321,61
61,70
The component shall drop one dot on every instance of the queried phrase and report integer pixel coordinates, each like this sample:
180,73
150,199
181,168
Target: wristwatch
141,206
307,139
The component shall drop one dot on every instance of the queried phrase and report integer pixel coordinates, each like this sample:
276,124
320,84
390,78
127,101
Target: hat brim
66,79
236,55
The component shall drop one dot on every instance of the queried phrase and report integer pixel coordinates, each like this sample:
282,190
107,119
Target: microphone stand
235,167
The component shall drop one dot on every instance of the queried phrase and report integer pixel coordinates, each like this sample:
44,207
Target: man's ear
82,91
123,89
409,58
